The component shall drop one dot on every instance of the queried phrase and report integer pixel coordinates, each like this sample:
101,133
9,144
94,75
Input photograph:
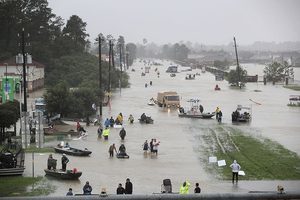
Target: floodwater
178,154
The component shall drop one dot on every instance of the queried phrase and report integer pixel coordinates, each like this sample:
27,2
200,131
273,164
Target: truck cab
168,99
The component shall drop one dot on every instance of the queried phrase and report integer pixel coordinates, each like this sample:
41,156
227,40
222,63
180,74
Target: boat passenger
143,117
130,118
201,108
51,163
122,150
87,189
64,161
181,109
150,83
78,125
67,145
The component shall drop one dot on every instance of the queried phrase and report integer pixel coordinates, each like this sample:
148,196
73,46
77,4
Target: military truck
168,99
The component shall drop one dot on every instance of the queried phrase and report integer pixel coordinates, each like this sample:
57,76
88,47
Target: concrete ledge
229,196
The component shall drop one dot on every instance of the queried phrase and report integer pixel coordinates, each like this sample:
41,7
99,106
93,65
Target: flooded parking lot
178,153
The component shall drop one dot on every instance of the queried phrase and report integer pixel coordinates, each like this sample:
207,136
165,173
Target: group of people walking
152,146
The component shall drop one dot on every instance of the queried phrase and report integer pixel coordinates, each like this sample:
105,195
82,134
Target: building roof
12,61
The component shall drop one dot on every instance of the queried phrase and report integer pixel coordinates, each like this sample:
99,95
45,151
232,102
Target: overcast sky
203,21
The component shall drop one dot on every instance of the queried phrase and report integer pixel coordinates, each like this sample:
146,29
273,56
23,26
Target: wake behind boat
67,175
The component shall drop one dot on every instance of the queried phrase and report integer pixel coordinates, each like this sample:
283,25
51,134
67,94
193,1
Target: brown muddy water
178,154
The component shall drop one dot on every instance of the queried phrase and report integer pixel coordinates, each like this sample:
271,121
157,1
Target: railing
231,196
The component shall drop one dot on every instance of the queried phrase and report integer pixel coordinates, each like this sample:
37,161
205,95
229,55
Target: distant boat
72,151
242,114
172,69
190,77
68,174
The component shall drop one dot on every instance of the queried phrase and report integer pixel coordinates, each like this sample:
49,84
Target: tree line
64,49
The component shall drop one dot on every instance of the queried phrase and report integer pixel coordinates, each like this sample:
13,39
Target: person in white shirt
235,170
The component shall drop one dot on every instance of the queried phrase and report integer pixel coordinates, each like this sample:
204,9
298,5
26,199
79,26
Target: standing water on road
179,152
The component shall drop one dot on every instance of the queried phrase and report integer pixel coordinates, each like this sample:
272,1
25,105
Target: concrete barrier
229,196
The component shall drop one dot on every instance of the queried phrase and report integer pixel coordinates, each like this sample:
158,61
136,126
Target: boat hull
201,116
73,151
67,175
18,171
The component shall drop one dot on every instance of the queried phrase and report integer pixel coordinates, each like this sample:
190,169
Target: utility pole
24,70
120,66
100,74
109,65
237,64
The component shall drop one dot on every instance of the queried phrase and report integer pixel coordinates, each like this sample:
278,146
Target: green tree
233,76
9,115
37,20
274,72
74,34
131,49
58,99
84,99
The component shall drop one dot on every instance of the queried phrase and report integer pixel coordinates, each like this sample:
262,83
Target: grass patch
24,186
34,149
260,158
292,87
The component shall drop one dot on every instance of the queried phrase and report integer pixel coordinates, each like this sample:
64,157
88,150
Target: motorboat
195,111
122,156
294,100
68,174
151,102
172,75
217,88
242,114
72,151
148,120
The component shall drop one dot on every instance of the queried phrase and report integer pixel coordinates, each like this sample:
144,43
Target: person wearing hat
87,189
64,161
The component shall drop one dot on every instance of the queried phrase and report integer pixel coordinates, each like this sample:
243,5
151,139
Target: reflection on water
178,155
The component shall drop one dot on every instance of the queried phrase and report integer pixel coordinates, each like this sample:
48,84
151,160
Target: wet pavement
178,154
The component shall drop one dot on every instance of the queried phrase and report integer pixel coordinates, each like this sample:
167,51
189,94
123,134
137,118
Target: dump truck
168,99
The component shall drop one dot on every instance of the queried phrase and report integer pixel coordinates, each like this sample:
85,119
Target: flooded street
178,152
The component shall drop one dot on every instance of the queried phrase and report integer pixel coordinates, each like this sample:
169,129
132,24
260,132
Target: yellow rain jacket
106,132
185,189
